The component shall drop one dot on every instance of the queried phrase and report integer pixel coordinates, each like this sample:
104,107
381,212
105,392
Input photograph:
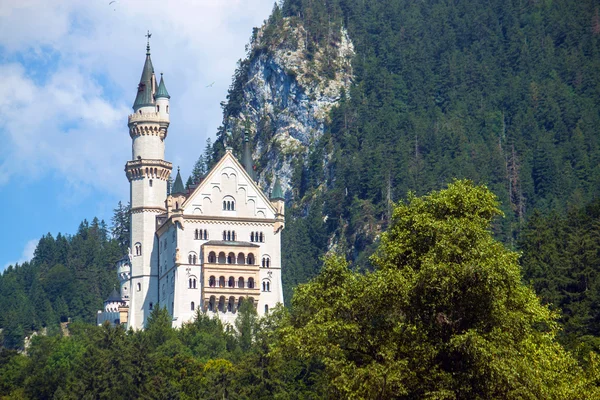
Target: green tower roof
144,95
247,157
277,193
178,185
162,89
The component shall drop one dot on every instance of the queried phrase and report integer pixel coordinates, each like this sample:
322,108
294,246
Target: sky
69,71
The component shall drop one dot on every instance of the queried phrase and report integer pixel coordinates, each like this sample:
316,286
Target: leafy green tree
444,315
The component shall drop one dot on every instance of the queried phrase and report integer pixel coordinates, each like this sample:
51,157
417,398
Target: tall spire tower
147,173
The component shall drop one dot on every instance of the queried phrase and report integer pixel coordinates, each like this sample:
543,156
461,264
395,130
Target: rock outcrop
288,91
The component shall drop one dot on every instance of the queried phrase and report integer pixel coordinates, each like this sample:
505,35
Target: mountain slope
501,92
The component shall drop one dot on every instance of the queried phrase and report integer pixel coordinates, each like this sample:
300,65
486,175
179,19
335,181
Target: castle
206,248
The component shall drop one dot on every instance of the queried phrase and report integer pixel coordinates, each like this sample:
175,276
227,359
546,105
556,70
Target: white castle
210,247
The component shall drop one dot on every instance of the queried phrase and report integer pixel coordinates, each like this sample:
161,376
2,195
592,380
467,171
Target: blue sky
68,76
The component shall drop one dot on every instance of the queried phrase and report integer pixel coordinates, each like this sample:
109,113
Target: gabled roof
162,89
229,156
144,96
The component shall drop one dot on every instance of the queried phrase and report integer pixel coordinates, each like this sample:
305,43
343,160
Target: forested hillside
68,277
443,315
501,92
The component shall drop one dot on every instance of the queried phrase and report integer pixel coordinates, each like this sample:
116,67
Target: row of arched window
226,305
257,237
228,205
231,282
201,234
230,258
229,236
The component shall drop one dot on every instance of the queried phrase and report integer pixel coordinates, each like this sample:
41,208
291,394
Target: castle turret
278,202
247,157
148,173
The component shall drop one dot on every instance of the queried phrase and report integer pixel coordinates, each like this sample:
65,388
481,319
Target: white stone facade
182,244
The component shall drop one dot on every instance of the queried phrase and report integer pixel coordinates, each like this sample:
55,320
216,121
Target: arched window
138,249
230,258
229,235
192,283
231,282
221,281
251,259
252,236
212,282
192,306
266,262
262,239
231,304
205,234
228,206
212,257
150,306
264,286
224,205
233,235
139,287
211,303
251,283
222,303
266,308
157,108
241,282
241,259
222,258
224,235
190,259
268,286
196,234
240,301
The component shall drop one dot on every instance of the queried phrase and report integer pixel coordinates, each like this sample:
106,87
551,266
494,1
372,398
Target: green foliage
562,263
443,316
68,277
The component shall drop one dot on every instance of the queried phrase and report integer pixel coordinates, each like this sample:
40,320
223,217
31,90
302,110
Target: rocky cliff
282,95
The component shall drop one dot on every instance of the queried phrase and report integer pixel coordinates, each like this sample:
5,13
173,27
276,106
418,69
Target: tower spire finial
148,35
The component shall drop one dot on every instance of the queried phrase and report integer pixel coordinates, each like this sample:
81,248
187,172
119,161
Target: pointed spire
178,185
277,193
114,296
144,96
247,157
162,89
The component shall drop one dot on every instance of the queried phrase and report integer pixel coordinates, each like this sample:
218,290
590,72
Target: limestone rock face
288,92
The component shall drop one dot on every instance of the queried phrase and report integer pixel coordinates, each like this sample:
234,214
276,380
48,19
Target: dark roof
144,95
178,185
277,193
162,89
230,243
247,157
114,296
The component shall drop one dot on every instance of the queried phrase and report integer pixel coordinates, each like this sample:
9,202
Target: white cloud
71,69
26,255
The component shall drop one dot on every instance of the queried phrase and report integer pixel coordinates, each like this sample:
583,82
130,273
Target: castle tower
147,173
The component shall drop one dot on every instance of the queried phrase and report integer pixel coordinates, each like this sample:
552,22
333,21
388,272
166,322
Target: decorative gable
228,191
